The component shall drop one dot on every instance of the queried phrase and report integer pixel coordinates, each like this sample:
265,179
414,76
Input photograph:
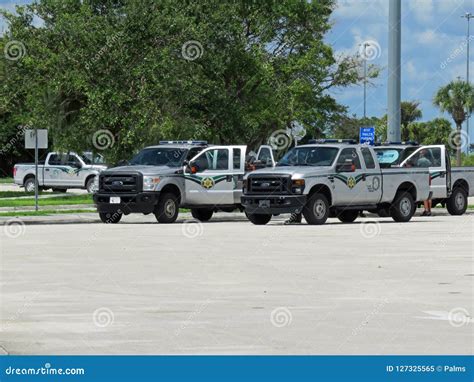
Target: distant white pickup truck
61,171
450,186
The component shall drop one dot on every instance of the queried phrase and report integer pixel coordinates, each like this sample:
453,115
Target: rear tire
316,209
457,202
403,207
259,219
30,184
202,214
110,218
348,216
167,208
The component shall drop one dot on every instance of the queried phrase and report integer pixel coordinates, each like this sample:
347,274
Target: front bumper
272,204
143,202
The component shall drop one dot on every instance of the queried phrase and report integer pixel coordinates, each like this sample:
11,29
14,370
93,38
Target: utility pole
365,45
468,16
394,62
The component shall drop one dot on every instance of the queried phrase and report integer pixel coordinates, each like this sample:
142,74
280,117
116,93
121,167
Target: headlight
96,183
297,186
150,182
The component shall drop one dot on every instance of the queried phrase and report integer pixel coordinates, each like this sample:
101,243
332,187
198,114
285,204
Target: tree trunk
458,140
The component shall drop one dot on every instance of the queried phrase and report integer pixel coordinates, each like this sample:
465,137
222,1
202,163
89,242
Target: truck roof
180,144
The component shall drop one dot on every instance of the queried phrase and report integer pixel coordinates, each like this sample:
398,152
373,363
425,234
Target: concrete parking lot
75,286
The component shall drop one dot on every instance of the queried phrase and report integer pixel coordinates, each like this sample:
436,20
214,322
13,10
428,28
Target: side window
368,158
54,160
236,155
193,152
72,161
349,154
265,155
426,158
217,159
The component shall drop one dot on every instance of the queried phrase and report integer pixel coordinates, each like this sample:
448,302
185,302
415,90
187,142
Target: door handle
46,169
331,178
229,178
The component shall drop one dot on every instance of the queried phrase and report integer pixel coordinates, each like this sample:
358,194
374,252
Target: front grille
269,184
118,183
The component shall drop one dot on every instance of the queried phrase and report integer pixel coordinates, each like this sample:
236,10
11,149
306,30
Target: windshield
87,158
309,156
390,156
160,156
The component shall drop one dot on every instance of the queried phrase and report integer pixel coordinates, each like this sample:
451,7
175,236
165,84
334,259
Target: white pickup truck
191,174
60,171
333,178
450,186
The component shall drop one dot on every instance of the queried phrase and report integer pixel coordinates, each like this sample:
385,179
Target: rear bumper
143,202
276,204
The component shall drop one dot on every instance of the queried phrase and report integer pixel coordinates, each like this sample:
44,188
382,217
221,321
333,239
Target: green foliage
435,132
123,66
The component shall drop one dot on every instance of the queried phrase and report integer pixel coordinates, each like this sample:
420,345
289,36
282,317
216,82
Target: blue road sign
367,135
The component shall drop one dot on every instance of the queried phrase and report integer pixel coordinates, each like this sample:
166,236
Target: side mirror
347,166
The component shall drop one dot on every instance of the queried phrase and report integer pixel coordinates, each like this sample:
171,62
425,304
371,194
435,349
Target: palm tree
409,113
456,98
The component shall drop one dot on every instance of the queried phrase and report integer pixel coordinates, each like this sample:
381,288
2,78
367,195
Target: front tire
110,218
90,185
403,207
316,209
457,202
348,216
259,219
202,214
167,208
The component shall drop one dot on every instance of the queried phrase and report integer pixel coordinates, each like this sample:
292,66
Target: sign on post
36,139
367,135
30,139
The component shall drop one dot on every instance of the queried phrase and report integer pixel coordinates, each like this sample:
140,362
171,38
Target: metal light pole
468,16
366,44
394,61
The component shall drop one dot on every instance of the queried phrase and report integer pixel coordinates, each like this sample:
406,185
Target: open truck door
212,176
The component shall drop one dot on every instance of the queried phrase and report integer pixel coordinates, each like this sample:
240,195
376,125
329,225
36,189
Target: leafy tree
456,98
435,132
225,71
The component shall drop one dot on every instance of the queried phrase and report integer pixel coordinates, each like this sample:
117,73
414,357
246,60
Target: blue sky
433,48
